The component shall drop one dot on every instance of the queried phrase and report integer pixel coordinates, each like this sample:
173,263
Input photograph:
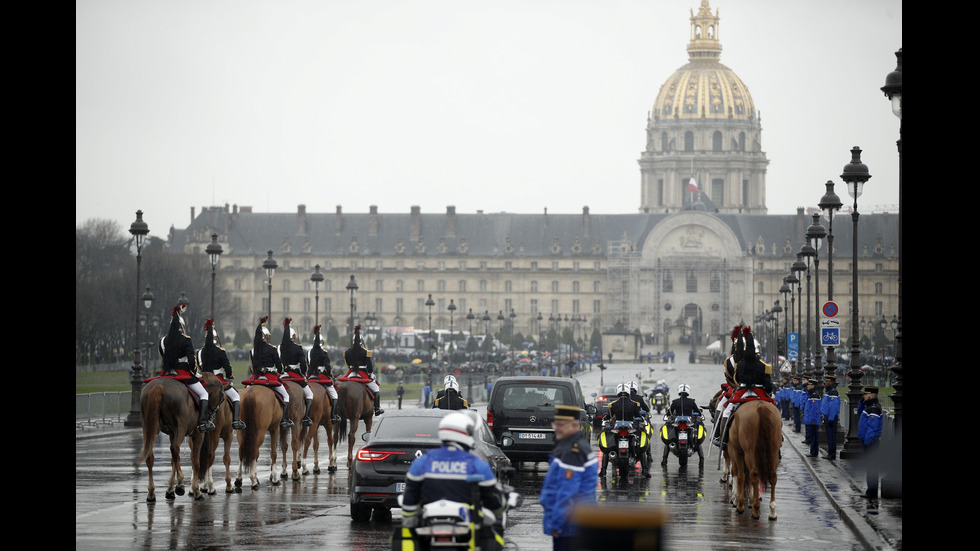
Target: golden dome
704,88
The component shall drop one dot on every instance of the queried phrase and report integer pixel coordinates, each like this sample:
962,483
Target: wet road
111,511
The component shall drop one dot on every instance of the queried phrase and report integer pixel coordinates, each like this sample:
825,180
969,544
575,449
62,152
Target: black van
520,411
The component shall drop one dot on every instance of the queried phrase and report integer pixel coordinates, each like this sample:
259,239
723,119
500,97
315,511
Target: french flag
692,186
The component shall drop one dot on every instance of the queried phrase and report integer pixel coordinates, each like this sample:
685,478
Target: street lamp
452,340
893,90
513,340
776,310
352,287
317,278
148,303
855,175
816,234
139,229
486,326
500,327
470,317
796,270
429,304
807,253
213,251
270,265
829,205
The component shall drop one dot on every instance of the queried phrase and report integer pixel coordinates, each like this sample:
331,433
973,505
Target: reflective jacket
449,472
572,478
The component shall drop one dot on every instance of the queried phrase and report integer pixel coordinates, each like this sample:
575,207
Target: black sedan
377,476
605,396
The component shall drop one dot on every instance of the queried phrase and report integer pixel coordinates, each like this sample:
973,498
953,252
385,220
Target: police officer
401,393
267,366
624,408
784,394
319,371
450,398
637,397
571,476
213,359
685,405
811,417
796,401
180,362
296,366
448,472
870,423
830,411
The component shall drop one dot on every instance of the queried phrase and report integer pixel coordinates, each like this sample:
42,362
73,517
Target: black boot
605,463
377,403
663,462
644,465
203,423
286,422
236,422
307,422
333,410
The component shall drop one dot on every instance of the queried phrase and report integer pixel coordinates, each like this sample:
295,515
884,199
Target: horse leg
274,477
174,469
227,460
332,448
297,443
350,443
315,440
150,487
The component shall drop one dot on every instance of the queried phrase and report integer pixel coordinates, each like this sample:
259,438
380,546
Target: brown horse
223,433
167,406
753,444
294,436
322,416
354,403
261,412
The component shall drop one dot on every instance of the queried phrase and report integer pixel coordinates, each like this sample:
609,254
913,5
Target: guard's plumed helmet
750,359
287,332
457,428
357,355
175,331
207,354
260,332
684,389
316,336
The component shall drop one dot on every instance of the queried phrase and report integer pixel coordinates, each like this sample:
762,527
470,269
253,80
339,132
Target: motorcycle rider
637,397
647,426
685,405
623,409
444,473
450,398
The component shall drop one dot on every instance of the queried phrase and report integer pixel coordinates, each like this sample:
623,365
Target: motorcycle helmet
457,428
684,389
452,384
622,388
448,379
632,386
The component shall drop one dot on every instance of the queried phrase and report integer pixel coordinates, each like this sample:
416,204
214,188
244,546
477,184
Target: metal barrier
97,409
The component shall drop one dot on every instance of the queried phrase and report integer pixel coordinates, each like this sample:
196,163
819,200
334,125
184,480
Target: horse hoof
238,490
316,470
179,490
198,497
150,498
238,483
255,486
232,490
170,496
331,469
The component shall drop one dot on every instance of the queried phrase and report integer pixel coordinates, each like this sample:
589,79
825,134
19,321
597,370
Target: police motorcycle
625,443
658,401
456,526
682,434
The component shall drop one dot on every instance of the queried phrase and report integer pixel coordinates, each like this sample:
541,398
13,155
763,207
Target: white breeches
332,391
198,389
281,389
232,395
373,385
308,392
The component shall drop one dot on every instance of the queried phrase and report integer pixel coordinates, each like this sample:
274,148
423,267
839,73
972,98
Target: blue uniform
449,473
796,400
869,433
572,478
811,418
830,410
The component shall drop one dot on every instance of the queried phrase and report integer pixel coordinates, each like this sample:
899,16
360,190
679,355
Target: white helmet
683,389
457,428
632,386
449,379
622,388
292,333
452,384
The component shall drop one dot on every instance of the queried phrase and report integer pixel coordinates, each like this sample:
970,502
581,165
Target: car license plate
400,487
624,444
531,435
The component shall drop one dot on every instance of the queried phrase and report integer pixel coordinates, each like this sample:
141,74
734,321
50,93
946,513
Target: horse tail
340,430
247,414
151,420
765,461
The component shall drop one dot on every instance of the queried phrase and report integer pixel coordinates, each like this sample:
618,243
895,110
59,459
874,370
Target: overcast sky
493,105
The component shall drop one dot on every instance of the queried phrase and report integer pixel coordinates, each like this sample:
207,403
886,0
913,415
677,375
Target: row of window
439,308
441,265
441,286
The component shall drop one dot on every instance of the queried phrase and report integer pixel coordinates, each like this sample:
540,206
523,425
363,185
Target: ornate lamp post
486,325
816,234
776,311
317,278
855,175
139,229
213,251
796,270
452,340
893,90
270,265
352,288
808,253
829,205
429,303
470,317
513,343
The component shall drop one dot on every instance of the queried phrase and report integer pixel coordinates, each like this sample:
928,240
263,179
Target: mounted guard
296,367
180,364
319,371
266,368
213,359
361,369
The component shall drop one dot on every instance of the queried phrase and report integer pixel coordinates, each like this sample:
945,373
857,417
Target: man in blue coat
571,479
869,433
811,417
796,401
830,411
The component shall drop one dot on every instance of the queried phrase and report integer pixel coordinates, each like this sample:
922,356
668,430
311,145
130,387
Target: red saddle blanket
320,378
271,379
182,376
738,397
356,376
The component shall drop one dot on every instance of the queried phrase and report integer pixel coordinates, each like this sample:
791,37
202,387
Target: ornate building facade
686,267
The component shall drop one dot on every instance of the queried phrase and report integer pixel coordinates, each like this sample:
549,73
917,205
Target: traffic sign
792,346
830,336
830,322
830,309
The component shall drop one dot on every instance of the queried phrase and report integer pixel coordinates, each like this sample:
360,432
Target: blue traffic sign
830,336
792,346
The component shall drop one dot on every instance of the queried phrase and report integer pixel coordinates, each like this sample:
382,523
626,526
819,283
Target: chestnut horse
167,406
295,435
753,444
322,416
224,433
261,412
354,403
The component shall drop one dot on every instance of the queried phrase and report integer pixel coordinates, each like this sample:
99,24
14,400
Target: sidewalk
877,524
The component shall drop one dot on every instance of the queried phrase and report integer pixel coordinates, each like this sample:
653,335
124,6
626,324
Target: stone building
699,256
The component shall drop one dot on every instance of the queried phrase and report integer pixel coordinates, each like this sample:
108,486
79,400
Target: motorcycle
659,401
625,443
455,526
683,435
